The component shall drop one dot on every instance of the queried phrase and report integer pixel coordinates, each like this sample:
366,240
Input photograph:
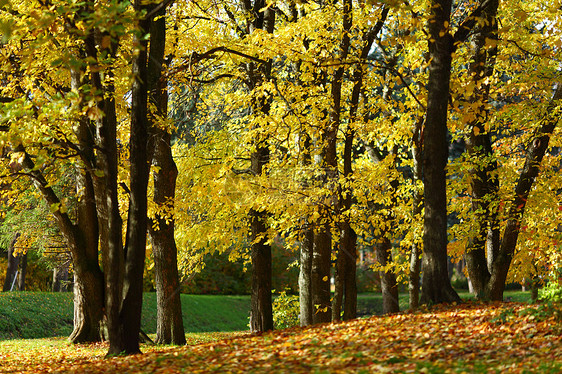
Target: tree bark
436,286
305,281
261,318
320,274
128,316
169,325
389,286
350,282
13,265
22,272
483,247
60,279
261,314
416,252
536,150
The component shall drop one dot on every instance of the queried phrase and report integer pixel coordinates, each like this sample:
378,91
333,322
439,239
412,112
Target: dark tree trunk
483,247
389,286
350,282
13,265
305,281
89,298
416,252
436,287
261,303
339,281
488,258
320,274
346,267
261,307
128,316
261,314
169,326
536,150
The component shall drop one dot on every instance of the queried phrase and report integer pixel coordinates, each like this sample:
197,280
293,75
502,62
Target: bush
286,311
551,293
458,280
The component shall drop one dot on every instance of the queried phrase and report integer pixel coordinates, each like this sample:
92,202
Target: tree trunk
436,286
536,150
170,328
261,314
22,272
89,302
305,281
169,325
339,281
389,286
60,279
350,283
13,265
483,247
320,274
261,318
127,318
416,252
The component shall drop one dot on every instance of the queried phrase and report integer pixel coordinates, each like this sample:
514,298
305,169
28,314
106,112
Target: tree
170,323
13,266
87,68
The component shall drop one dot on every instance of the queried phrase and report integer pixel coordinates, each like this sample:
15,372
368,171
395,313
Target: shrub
552,292
286,310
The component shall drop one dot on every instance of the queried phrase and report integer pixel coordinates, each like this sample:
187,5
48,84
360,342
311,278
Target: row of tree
321,124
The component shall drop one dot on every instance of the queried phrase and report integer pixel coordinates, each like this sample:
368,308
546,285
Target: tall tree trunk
436,286
483,247
89,303
350,282
261,319
13,264
128,315
536,150
339,282
320,274
305,281
169,324
346,266
323,240
416,252
389,286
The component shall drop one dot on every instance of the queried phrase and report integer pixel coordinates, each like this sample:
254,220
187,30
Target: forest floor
472,337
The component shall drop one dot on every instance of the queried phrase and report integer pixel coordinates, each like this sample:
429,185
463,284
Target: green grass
35,314
25,315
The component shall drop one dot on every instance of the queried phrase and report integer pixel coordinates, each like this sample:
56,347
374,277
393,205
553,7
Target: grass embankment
28,315
43,314
468,338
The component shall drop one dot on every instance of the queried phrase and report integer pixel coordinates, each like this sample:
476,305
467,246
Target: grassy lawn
43,314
